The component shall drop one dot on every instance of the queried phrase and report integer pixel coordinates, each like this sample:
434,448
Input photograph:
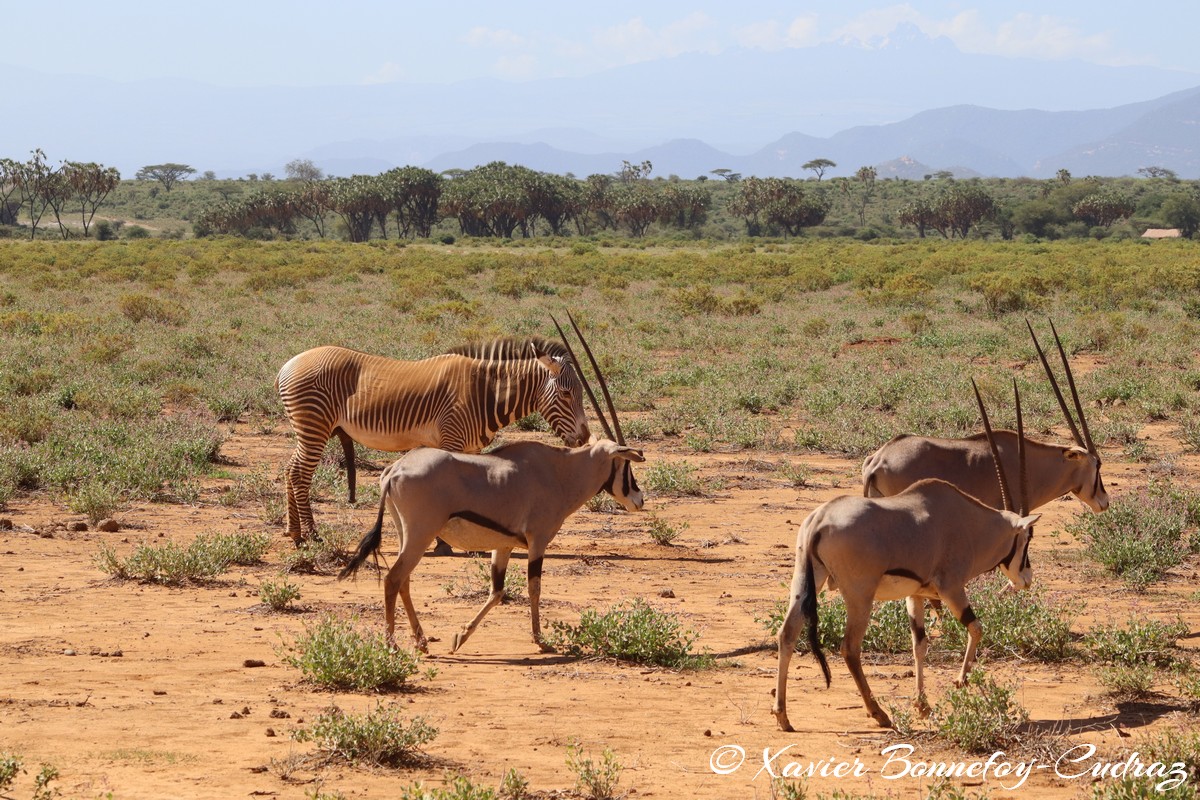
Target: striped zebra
456,401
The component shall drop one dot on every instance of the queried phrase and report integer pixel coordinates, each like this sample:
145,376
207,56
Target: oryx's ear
551,364
629,454
1028,522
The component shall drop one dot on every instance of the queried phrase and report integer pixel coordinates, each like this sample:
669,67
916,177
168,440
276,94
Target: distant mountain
966,140
689,114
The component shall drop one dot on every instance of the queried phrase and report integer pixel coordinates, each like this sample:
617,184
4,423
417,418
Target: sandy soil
143,691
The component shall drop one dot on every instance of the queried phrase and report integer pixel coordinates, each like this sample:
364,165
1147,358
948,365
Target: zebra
455,401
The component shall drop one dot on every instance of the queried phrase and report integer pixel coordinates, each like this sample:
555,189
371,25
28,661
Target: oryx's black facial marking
968,616
535,568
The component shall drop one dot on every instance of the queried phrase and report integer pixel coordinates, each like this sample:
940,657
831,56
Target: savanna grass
116,351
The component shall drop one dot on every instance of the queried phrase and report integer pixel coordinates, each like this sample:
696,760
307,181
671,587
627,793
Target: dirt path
144,692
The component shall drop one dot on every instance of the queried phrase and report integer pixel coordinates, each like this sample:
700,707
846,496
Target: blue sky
302,42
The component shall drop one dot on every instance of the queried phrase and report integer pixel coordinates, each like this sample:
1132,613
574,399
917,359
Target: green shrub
981,716
596,781
277,594
630,631
168,563
380,736
1141,641
1141,536
663,532
335,654
672,478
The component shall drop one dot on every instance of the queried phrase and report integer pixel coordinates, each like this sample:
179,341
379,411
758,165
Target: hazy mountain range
911,107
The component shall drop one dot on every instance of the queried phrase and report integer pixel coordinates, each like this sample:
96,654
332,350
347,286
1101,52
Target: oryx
968,464
928,541
515,497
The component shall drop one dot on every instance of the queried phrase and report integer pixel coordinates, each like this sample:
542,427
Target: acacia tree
303,169
358,200
166,174
819,166
90,184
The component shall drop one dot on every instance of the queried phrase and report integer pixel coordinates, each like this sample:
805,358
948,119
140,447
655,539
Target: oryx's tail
369,544
808,608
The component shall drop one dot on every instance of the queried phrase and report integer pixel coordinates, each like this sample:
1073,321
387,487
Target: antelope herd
934,513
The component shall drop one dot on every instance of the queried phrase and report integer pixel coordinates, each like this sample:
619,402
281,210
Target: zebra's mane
512,348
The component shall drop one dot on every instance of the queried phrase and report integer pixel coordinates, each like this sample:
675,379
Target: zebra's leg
348,452
298,480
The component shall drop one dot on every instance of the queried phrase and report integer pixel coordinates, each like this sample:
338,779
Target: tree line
502,200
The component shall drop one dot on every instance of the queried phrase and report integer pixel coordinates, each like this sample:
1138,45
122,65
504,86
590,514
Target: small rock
108,526
708,731
245,711
160,692
666,592
253,662
270,731
68,652
279,713
218,701
6,524
235,715
77,526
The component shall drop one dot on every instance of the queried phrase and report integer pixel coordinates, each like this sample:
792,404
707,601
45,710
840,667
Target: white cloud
634,40
390,72
518,67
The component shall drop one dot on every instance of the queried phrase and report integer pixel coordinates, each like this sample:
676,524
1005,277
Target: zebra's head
560,401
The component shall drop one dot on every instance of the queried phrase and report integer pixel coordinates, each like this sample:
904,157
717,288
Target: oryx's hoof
784,725
922,706
881,718
459,639
442,549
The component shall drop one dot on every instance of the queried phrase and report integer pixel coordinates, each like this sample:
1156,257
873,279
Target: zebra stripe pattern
456,401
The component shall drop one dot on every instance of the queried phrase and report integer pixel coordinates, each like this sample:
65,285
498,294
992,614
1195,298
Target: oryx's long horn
583,379
1005,495
1022,476
1054,385
600,377
1087,435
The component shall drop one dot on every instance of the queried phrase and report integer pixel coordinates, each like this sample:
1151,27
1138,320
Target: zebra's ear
551,364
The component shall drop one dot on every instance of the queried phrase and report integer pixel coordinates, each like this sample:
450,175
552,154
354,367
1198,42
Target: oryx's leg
956,601
413,541
858,617
916,621
397,582
298,483
789,633
534,587
499,569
